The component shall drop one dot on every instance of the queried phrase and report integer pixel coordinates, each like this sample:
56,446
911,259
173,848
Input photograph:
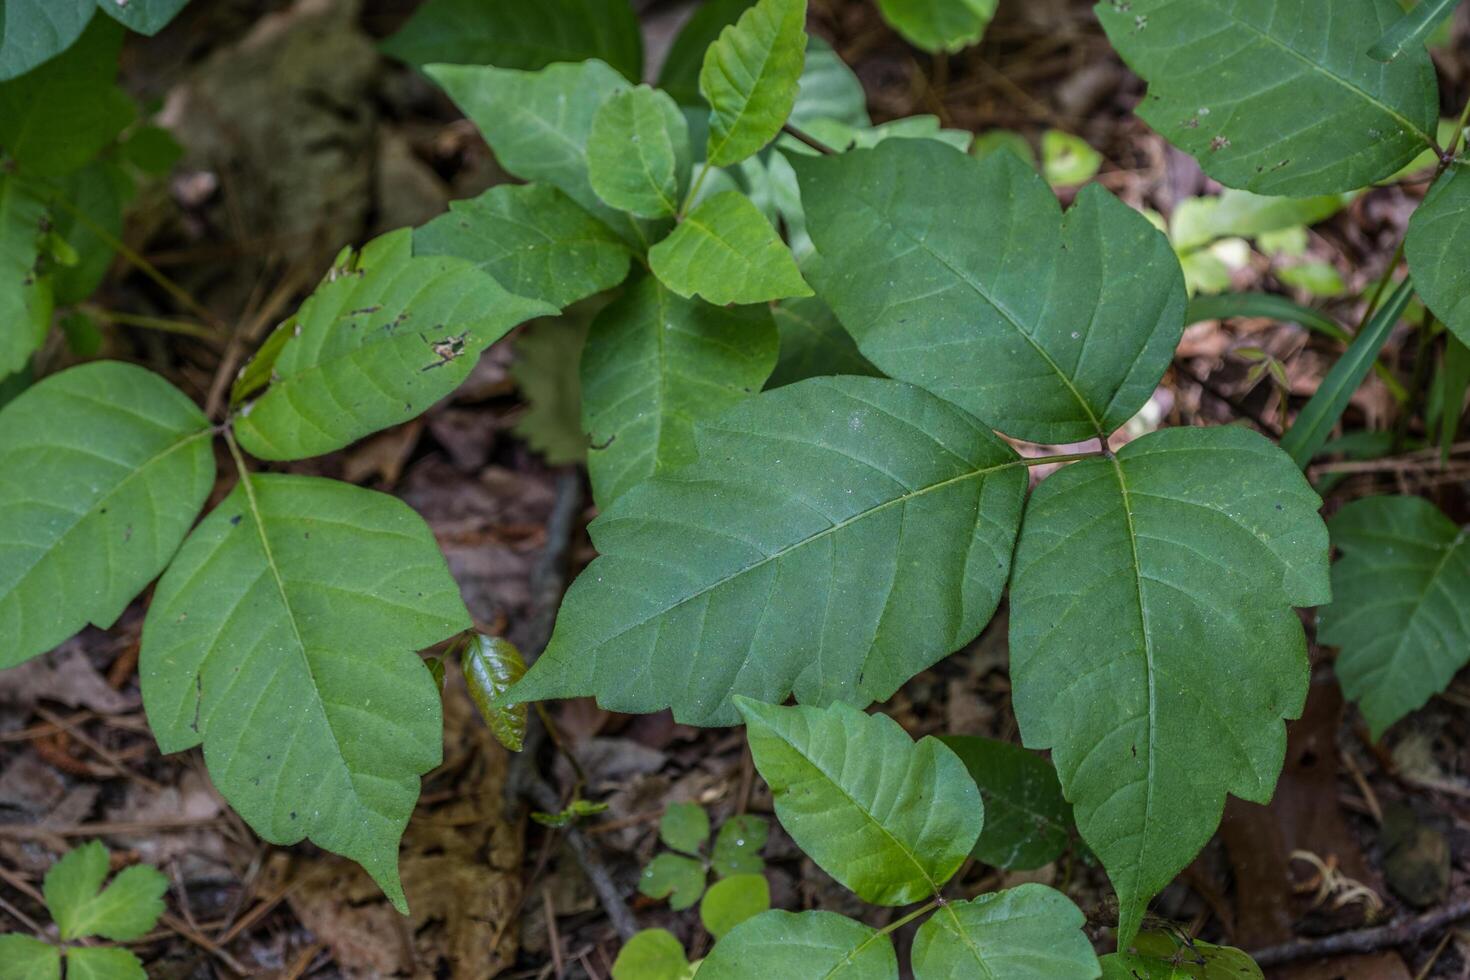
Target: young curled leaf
491,665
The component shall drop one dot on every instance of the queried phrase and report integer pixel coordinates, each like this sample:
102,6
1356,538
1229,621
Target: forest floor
300,138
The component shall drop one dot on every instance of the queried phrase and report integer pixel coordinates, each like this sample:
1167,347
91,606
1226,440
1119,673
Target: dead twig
1399,933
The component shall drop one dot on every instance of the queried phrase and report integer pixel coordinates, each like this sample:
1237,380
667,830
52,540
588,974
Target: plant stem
235,454
808,139
924,909
187,328
1064,458
178,292
693,191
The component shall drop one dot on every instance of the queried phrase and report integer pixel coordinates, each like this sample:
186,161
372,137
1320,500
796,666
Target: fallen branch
1398,933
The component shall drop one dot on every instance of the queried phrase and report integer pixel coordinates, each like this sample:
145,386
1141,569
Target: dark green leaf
1438,249
1154,649
521,35
655,365
732,901
143,16
533,239
1162,956
1051,327
750,78
834,538
1275,97
1027,820
546,368
100,191
384,336
1029,932
282,638
34,31
889,818
813,344
105,459
826,944
491,665
26,291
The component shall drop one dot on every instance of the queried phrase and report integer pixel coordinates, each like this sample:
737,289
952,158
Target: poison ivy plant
939,25
750,78
1028,822
27,293
1438,249
35,31
1399,595
1274,98
126,909
1412,29
638,153
725,251
1164,956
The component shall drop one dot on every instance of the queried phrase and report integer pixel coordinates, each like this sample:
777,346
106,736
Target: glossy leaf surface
1146,588
1030,932
725,251
834,538
491,666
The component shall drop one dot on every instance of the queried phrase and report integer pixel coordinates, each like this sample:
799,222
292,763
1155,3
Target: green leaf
828,89
826,945
1317,278
104,459
384,336
732,901
1053,327
143,16
281,637
491,665
1148,587
995,140
1029,932
834,538
573,812
533,239
125,909
675,877
74,95
1413,28
1438,249
35,31
538,124
1067,160
654,366
638,153
939,25
1314,422
103,963
520,35
1027,820
727,252
1398,596
750,78
1273,97
685,827
100,191
548,358
738,846
889,818
679,75
813,344
1198,221
1160,956
1268,305
1455,381
26,292
653,954
29,959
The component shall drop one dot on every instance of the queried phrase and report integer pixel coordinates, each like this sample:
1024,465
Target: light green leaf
995,140
679,75
738,846
889,818
281,638
1317,278
685,827
1067,160
126,909
654,365
573,812
29,959
1160,956
26,291
638,153
1398,598
826,944
100,191
491,665
59,116
1027,820
834,538
520,35
1438,249
533,239
1146,588
653,954
813,344
727,252
939,25
538,124
546,369
384,336
1413,28
1029,932
1053,327
1198,221
732,901
1272,96
675,877
750,78
103,963
102,461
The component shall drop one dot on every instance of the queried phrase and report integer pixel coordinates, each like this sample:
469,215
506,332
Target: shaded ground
300,140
